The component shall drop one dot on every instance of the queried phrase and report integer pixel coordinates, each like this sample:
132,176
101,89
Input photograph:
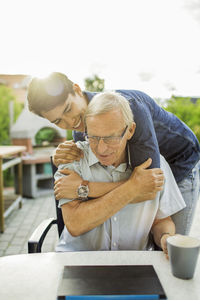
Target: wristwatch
83,190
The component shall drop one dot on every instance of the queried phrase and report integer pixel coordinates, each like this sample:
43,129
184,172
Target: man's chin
105,162
79,128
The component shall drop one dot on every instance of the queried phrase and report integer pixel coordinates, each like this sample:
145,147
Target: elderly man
115,220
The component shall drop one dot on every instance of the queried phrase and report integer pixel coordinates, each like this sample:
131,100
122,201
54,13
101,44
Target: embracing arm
82,216
144,143
66,186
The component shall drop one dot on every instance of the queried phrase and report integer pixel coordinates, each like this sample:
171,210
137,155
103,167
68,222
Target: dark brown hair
45,94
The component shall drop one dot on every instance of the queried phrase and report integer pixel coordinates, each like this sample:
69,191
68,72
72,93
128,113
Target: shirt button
115,219
114,244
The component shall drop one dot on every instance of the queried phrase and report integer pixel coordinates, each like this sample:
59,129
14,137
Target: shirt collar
92,158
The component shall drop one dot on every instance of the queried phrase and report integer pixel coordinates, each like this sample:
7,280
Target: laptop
129,282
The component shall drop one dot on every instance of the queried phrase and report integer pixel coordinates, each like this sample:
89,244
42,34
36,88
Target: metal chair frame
36,240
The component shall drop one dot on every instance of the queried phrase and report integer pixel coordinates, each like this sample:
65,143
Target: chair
36,240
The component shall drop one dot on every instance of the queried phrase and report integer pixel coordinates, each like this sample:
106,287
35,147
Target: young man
114,221
63,103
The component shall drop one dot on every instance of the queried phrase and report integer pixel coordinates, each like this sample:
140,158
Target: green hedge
6,96
45,134
187,111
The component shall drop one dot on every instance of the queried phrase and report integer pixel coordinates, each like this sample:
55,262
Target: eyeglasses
109,140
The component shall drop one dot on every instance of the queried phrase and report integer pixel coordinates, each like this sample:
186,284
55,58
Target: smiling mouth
77,125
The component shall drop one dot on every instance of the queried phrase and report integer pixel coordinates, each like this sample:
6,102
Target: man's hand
66,153
163,243
146,182
67,186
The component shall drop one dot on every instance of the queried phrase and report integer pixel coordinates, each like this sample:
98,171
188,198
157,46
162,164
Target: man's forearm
98,189
148,181
161,227
67,186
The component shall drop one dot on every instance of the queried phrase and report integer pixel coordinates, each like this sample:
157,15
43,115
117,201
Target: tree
94,84
187,111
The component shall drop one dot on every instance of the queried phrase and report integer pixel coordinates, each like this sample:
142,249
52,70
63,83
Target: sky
149,45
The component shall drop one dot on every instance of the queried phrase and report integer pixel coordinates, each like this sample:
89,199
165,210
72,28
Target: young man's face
69,115
110,124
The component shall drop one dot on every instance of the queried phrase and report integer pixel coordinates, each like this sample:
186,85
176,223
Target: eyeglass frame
106,138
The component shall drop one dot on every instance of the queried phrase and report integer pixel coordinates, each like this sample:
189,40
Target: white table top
11,150
36,276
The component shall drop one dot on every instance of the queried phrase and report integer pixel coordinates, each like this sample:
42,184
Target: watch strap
85,182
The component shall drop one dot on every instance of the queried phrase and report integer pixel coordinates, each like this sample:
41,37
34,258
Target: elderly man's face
109,125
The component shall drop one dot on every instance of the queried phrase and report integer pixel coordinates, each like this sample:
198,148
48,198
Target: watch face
83,191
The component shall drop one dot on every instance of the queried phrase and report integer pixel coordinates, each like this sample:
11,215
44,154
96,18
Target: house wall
18,83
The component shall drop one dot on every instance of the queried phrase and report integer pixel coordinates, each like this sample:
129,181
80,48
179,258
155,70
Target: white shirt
129,228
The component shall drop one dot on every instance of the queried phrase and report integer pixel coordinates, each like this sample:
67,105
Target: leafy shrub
6,96
8,177
45,134
94,83
187,111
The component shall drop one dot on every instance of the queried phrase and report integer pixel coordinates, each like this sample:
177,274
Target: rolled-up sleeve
143,144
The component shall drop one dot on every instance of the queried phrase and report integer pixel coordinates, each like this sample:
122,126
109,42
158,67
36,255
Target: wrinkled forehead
106,123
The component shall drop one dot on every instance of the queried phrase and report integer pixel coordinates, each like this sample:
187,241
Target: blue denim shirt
158,132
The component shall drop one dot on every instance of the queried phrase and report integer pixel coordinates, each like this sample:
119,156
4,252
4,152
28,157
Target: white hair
109,101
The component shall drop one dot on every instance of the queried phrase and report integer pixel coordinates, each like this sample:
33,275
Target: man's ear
77,89
131,130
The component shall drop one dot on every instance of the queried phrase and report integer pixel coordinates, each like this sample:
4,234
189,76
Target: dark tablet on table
110,282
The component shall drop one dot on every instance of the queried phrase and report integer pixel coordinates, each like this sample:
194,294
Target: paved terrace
21,222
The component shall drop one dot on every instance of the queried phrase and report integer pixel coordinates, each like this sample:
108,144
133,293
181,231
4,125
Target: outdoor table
14,153
37,276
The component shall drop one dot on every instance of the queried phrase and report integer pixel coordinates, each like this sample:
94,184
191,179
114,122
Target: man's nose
102,146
